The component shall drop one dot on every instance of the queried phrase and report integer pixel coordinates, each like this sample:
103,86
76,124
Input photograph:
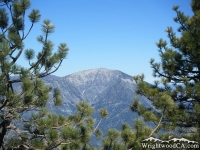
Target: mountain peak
93,71
94,74
102,88
98,71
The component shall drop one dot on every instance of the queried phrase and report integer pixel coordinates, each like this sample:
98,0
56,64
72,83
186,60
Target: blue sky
112,34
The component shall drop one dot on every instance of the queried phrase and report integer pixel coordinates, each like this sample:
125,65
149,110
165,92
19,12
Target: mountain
102,88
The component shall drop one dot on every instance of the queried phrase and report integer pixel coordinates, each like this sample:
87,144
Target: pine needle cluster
42,129
176,96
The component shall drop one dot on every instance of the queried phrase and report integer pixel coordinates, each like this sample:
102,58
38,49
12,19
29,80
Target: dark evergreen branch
3,104
181,23
46,74
55,145
28,31
38,61
18,55
23,28
7,29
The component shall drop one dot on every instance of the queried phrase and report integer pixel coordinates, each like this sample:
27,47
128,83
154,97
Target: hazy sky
112,34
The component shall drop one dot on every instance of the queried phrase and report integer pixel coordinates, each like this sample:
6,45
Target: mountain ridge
102,88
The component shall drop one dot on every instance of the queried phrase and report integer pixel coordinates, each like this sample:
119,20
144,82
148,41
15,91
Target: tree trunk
3,131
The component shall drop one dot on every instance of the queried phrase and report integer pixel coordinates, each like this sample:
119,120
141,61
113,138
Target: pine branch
19,132
18,55
3,104
28,31
96,127
7,28
38,61
58,127
180,22
158,122
46,74
55,146
23,18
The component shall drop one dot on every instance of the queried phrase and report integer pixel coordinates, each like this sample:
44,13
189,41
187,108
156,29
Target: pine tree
177,94
42,129
128,138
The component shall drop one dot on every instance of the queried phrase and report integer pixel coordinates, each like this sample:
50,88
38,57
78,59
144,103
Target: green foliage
98,133
125,126
57,97
34,16
110,141
69,132
103,113
113,134
29,54
52,136
134,105
84,109
128,137
37,144
42,129
3,18
176,95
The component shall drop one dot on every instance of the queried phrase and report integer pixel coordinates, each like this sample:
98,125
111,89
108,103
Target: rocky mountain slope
102,88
